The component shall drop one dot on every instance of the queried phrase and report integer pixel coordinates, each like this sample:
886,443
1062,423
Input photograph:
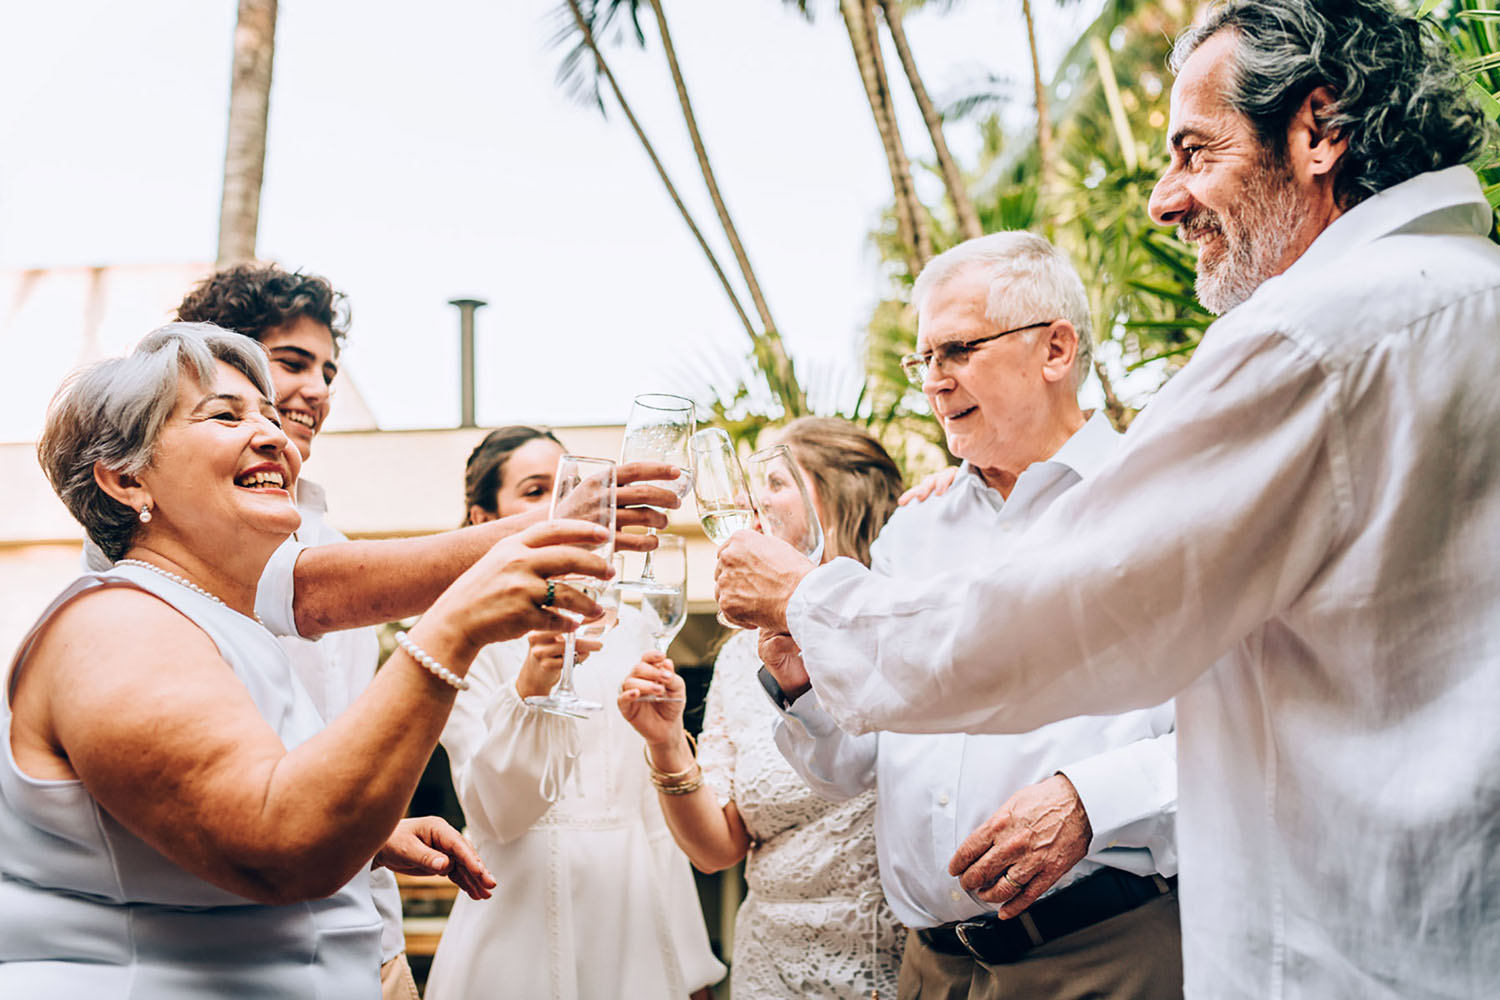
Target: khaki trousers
1134,956
396,980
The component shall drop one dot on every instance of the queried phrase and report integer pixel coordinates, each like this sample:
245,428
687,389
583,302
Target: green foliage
1472,30
1139,277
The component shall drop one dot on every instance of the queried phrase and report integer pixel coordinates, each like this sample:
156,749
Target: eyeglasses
953,355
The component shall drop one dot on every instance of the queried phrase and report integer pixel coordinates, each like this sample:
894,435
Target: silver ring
551,597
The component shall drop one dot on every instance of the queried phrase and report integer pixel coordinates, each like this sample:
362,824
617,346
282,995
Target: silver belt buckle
961,930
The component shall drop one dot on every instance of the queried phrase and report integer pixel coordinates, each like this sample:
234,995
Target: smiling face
303,367
1238,201
221,474
990,405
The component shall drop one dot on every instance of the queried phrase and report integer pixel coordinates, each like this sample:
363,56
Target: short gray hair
1399,98
1026,274
112,413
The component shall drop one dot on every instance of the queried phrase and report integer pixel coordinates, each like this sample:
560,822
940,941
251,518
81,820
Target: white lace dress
815,922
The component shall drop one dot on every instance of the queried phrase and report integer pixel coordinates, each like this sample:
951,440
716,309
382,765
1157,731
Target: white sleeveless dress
89,911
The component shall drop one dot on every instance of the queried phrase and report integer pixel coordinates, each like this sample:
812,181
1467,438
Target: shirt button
955,894
942,800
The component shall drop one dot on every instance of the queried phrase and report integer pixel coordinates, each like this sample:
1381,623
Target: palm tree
1046,172
568,74
911,215
770,341
958,194
767,345
249,111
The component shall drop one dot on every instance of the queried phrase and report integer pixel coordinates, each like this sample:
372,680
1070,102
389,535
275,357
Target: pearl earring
145,513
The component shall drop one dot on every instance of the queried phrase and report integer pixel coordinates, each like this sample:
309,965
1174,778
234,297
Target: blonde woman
815,922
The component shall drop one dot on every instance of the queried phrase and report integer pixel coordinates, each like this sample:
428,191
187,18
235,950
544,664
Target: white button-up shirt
934,790
1301,536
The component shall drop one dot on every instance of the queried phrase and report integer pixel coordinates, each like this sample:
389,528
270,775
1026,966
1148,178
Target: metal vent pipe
466,310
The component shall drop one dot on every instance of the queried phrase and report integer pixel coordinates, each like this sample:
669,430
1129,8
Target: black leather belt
1091,900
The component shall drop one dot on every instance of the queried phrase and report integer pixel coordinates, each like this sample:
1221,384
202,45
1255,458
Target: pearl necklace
181,581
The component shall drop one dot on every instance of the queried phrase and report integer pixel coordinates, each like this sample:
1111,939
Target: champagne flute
784,501
719,485
658,430
664,598
583,490
609,600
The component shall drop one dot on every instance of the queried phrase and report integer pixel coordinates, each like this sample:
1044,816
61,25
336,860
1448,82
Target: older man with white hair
1071,823
1298,538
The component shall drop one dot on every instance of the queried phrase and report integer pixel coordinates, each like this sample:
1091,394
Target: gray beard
1262,235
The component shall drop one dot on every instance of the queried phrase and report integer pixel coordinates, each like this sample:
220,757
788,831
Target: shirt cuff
808,712
274,593
1122,787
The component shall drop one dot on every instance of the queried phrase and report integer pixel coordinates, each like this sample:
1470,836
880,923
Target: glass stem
565,680
646,566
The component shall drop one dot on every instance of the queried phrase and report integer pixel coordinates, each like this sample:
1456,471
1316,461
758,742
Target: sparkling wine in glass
658,429
609,600
784,501
663,599
583,490
721,489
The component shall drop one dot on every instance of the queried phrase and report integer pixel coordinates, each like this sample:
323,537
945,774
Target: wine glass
583,490
784,501
664,598
658,430
609,599
719,485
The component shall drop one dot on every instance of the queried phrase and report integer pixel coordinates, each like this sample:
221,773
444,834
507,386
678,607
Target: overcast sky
422,152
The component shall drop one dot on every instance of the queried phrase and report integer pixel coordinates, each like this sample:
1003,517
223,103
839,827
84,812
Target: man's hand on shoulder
934,484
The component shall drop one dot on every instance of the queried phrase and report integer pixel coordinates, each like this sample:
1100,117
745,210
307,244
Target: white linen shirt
934,790
334,668
1300,535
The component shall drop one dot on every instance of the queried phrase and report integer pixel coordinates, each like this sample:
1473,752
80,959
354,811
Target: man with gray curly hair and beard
1298,538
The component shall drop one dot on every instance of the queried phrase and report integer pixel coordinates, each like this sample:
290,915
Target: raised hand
504,594
754,579
658,722
636,494
783,657
544,661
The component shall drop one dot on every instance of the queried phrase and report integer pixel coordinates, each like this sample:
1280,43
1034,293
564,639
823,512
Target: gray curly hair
1399,97
112,413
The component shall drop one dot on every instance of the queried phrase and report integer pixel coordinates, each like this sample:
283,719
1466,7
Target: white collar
1449,200
1084,453
1089,447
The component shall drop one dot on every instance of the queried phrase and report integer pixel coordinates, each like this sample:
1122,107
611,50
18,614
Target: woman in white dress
594,898
815,922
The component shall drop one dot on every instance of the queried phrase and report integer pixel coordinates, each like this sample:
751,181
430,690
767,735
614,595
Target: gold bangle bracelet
685,788
672,776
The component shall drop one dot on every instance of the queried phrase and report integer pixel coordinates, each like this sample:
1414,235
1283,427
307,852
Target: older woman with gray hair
177,820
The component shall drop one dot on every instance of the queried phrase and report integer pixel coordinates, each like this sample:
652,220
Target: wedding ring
551,597
1005,877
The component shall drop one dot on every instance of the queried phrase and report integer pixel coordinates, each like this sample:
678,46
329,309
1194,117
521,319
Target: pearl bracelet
433,667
